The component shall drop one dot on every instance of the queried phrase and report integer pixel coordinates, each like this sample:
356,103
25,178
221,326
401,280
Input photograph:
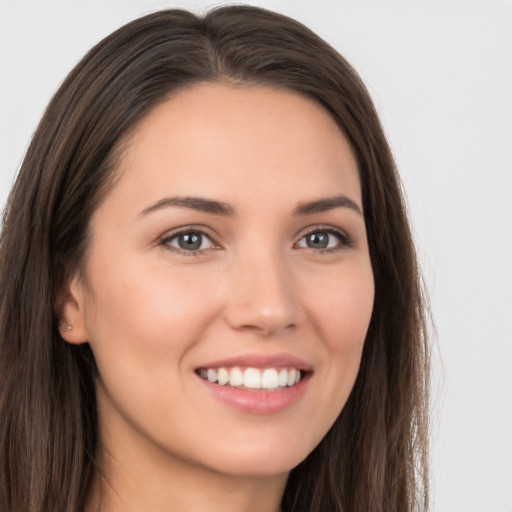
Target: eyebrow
326,204
224,209
194,203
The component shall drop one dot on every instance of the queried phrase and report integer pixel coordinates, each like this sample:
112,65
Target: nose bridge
261,291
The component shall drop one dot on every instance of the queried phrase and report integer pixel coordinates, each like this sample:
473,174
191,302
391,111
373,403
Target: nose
261,295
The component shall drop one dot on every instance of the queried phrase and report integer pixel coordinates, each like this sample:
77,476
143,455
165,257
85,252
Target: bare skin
234,238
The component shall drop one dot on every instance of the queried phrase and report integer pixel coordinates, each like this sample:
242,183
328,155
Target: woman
209,291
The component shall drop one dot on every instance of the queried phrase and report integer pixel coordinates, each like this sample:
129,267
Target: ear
71,310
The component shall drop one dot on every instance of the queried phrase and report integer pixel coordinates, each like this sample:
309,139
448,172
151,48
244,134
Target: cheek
146,322
341,318
143,328
343,308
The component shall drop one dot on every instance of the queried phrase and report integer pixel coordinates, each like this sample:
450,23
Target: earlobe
72,327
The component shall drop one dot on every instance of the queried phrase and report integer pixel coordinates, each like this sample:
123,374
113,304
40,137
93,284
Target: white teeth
291,377
236,377
252,378
222,376
269,379
282,378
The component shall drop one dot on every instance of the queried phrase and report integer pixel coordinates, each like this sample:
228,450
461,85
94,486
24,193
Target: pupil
318,240
190,241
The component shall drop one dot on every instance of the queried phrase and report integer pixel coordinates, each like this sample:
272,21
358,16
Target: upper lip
261,361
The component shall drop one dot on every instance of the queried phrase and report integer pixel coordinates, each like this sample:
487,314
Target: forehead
217,139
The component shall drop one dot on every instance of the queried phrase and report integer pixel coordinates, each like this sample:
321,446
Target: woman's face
229,260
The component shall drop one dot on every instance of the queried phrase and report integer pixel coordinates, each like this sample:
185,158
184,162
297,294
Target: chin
261,459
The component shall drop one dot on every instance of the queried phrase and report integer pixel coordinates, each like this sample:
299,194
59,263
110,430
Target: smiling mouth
253,379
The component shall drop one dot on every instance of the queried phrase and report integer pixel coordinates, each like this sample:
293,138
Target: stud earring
66,327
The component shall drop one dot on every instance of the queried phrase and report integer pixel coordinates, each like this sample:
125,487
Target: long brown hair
374,458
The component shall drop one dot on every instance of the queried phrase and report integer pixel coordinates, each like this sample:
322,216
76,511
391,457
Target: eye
324,239
190,241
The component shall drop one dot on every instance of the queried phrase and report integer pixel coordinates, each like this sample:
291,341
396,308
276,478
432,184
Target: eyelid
343,236
344,239
193,228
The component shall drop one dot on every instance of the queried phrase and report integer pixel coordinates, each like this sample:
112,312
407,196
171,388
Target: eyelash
344,240
189,230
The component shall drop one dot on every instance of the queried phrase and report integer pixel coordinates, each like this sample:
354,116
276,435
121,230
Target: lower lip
258,401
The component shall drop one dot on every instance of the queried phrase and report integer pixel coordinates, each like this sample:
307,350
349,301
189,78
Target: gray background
440,73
